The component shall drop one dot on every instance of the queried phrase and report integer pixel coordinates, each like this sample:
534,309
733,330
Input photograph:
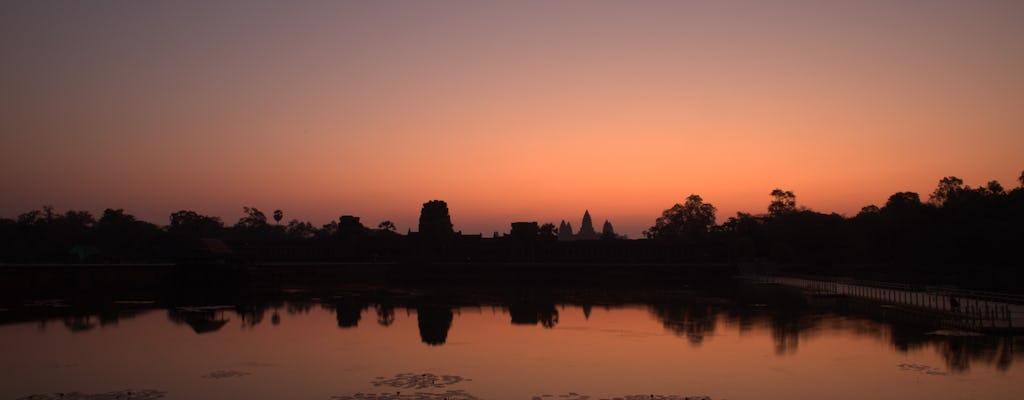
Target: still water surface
316,349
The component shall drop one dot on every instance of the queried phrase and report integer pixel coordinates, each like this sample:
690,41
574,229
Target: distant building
435,222
586,228
524,231
607,232
586,232
565,231
349,227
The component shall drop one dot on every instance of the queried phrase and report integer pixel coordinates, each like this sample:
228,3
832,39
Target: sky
509,111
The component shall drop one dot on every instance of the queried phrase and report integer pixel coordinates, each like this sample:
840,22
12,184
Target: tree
995,188
81,219
328,230
29,218
869,210
300,230
548,231
949,189
903,201
192,224
114,218
253,218
687,220
783,202
1021,179
387,226
278,215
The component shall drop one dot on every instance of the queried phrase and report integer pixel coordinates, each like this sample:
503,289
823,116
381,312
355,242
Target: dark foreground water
751,343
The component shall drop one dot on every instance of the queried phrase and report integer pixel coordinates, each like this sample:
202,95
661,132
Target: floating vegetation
428,381
418,381
577,396
398,395
118,395
225,373
922,369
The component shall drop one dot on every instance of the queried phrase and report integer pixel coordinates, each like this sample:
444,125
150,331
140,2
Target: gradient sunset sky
525,110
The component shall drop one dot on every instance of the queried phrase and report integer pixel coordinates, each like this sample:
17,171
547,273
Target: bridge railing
964,308
947,290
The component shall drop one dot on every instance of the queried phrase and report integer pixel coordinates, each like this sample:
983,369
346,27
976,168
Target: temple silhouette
586,231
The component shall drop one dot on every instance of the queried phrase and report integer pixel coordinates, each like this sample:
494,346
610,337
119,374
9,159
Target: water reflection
201,320
434,322
385,314
349,311
790,317
523,313
693,320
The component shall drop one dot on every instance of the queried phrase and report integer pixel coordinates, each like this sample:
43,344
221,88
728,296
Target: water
754,343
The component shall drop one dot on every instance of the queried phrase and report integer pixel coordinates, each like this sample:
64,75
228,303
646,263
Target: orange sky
517,111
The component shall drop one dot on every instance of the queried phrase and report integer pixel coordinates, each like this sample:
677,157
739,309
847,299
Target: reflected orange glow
614,352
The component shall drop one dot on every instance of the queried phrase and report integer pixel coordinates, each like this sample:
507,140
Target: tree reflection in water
789,316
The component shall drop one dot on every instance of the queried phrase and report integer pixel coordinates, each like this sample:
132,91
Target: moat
737,341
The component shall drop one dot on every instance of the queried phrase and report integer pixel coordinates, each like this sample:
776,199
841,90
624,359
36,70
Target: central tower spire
587,227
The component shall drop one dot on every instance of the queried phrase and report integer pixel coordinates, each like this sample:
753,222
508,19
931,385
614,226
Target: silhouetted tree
300,230
253,218
994,188
805,236
80,219
115,219
29,218
948,190
691,219
548,232
278,215
869,210
122,236
387,226
783,202
190,224
903,201
328,230
47,236
746,235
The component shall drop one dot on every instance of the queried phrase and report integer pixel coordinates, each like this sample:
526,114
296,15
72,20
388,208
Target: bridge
948,307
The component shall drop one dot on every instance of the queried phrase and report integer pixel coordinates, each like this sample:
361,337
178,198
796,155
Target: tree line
46,235
980,227
957,224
